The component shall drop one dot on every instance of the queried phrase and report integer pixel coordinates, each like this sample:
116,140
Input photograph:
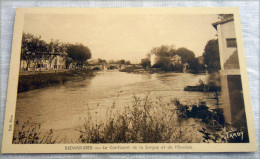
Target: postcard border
8,147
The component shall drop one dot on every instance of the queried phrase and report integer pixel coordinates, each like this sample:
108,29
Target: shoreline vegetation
141,70
42,80
203,88
144,121
151,70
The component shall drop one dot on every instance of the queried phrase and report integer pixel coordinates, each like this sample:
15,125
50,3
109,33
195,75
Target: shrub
200,111
145,121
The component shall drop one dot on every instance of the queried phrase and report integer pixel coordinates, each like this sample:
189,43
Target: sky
124,36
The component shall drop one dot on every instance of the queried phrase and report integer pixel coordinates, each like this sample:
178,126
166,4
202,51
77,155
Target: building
176,59
56,61
232,93
152,59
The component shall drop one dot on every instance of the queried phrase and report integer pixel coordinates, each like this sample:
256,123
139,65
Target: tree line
165,53
34,49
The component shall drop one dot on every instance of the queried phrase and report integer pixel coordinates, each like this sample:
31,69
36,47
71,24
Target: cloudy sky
124,36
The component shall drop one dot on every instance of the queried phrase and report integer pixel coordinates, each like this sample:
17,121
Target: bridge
107,66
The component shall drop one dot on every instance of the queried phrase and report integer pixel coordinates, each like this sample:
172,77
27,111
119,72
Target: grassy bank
36,81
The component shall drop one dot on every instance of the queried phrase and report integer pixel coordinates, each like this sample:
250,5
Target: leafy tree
146,63
163,53
122,61
187,56
128,63
101,61
32,49
194,65
78,53
168,66
211,55
26,53
35,49
68,61
53,48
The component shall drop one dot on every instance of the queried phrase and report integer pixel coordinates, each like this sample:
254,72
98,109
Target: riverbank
41,80
150,70
203,88
141,70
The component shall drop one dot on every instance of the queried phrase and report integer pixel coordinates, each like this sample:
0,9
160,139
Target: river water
61,108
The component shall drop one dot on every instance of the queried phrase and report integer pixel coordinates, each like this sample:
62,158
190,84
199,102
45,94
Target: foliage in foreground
31,134
146,121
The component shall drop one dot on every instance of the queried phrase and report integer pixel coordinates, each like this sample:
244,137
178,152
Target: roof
222,22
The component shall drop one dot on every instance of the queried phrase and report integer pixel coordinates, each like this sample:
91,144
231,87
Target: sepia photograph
128,77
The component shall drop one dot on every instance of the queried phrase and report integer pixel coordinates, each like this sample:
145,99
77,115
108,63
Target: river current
61,108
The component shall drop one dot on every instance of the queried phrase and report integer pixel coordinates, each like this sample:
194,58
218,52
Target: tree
194,65
211,55
128,63
187,56
40,51
78,53
68,61
163,53
32,49
26,53
101,61
146,63
53,48
122,61
111,61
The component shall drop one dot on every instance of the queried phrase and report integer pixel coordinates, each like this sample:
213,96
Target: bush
145,121
167,66
200,111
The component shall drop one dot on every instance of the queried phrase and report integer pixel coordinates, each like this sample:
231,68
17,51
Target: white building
152,59
232,93
57,62
176,59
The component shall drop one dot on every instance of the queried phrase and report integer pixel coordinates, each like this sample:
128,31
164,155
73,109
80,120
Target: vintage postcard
128,80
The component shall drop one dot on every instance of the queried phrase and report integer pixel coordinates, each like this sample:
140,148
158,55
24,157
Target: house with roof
55,61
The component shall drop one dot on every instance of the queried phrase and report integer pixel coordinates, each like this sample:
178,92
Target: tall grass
29,133
145,121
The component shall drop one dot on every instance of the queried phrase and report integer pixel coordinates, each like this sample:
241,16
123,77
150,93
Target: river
61,108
